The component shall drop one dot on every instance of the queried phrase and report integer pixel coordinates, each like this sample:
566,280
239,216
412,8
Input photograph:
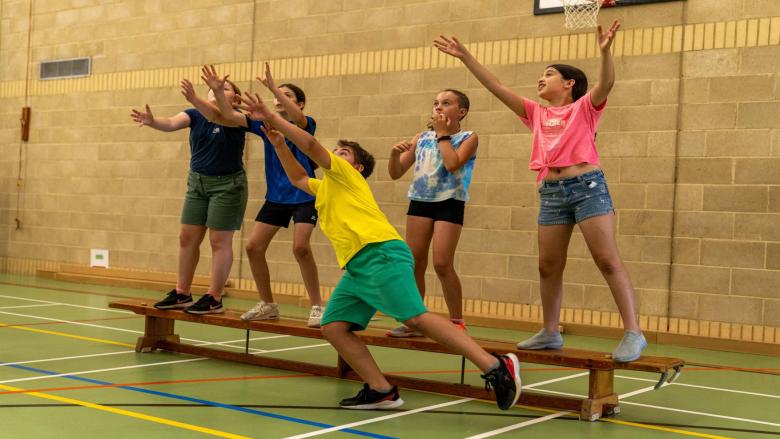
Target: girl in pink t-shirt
572,187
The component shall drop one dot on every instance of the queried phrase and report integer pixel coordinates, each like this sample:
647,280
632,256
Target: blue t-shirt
279,189
214,149
432,181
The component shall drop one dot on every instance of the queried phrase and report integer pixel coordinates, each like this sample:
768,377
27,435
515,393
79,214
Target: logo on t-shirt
215,130
554,123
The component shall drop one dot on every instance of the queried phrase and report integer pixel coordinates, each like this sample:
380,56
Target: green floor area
69,370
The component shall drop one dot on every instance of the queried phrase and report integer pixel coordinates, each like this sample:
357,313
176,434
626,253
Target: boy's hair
300,96
580,79
362,157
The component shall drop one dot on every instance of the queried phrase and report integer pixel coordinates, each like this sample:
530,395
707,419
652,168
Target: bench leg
342,367
601,396
156,329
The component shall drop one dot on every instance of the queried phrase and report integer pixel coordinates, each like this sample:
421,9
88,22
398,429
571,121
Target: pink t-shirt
563,136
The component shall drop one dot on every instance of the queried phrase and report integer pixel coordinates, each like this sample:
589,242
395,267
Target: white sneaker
262,311
315,316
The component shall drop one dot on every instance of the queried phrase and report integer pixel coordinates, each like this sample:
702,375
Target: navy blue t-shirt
279,188
214,149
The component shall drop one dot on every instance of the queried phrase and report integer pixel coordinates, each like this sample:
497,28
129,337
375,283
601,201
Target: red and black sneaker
368,399
505,380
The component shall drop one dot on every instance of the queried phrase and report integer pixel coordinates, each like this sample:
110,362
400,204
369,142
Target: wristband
439,139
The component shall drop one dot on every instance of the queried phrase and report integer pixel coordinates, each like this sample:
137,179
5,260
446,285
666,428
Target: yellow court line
141,416
65,334
670,430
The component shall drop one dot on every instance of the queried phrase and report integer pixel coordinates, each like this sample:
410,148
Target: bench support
601,396
156,330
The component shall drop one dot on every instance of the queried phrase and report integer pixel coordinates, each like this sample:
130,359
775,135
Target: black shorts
450,210
279,214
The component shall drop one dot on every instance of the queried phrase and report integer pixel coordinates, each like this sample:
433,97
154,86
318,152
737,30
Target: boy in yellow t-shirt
379,266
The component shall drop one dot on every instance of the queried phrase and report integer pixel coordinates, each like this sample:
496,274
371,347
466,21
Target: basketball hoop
583,13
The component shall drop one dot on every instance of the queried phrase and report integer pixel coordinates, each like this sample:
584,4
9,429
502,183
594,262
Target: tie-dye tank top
432,181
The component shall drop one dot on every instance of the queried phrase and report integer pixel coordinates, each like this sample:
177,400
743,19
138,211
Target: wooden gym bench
601,400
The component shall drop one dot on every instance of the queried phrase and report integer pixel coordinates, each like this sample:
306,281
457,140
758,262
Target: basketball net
583,13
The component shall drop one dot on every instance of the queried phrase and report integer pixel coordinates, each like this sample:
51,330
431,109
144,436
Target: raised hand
268,80
255,107
188,90
605,38
441,124
210,77
143,117
401,146
451,46
276,138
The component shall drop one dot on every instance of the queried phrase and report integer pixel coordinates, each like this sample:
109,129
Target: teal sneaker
542,340
630,348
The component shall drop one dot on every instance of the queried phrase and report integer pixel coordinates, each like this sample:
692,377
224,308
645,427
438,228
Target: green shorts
217,202
379,277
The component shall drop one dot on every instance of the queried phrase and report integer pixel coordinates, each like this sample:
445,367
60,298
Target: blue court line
201,401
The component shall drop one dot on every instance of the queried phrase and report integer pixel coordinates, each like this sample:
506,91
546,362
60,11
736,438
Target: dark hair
362,157
463,102
236,90
300,96
580,80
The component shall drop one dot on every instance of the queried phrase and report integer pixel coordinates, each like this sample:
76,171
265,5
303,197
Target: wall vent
66,68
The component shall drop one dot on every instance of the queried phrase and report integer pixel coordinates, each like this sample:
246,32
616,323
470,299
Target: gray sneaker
262,311
315,317
403,332
542,340
630,348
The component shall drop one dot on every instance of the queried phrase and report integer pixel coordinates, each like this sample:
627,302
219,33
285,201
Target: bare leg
190,238
445,241
256,247
303,254
599,233
553,247
354,351
419,231
221,260
458,342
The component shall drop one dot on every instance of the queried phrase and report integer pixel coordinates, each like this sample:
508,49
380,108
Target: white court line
381,418
636,392
67,304
28,306
520,425
696,386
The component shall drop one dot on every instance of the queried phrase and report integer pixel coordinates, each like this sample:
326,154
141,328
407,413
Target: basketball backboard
553,6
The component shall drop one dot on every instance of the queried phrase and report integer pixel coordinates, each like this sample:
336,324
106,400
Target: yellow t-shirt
348,213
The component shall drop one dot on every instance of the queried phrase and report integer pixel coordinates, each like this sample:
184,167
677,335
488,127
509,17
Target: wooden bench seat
159,334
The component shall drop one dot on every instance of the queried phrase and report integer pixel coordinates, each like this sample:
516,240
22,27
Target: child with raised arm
379,266
443,159
283,201
215,200
572,186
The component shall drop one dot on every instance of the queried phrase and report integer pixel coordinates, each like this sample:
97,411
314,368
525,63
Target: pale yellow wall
690,141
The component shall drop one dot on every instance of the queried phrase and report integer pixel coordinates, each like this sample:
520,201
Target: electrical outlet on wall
98,257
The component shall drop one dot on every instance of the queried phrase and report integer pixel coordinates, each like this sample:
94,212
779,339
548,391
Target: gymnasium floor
69,370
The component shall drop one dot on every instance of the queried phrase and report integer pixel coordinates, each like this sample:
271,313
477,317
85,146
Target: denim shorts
574,199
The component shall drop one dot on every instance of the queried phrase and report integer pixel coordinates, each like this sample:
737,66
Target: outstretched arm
207,109
257,110
294,112
146,118
226,114
402,157
292,167
453,47
602,88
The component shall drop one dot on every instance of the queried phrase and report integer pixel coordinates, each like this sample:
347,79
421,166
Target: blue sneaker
542,340
630,348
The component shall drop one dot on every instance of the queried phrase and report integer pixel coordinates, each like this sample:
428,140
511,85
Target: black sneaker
505,380
174,300
206,305
368,399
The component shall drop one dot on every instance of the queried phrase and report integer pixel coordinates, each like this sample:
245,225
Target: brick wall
690,141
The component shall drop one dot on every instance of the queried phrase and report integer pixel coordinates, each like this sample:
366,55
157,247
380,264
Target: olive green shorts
217,202
379,277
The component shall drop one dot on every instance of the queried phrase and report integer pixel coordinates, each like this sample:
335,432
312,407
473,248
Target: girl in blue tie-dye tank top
443,159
